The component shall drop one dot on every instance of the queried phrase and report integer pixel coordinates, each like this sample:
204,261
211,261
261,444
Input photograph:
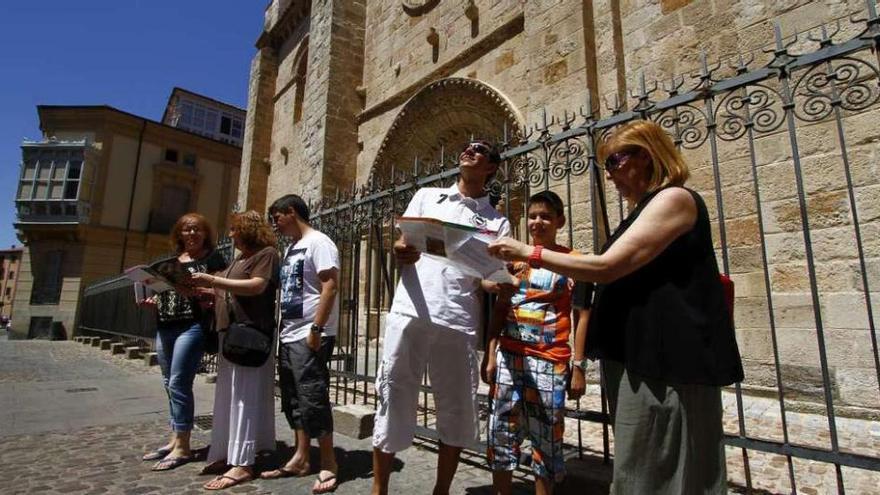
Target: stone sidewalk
78,443
76,420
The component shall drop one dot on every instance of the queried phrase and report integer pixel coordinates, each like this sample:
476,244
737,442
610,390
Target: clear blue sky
123,53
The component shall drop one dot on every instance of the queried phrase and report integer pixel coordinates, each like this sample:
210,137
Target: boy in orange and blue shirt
527,359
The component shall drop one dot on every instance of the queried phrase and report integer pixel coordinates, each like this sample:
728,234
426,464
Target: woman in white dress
244,421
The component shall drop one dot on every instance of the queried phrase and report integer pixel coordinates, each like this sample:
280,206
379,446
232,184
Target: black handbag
246,345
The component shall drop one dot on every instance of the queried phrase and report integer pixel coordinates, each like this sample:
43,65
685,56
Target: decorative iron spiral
686,120
518,170
840,82
756,109
534,171
579,160
559,166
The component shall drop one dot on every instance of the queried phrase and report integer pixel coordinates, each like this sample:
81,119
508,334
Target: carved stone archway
445,114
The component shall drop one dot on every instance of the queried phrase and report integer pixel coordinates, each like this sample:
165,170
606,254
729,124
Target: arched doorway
445,115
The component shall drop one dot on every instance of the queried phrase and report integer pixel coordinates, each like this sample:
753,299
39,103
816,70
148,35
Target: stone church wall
366,60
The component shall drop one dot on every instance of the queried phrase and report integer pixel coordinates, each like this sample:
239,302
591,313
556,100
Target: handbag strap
231,302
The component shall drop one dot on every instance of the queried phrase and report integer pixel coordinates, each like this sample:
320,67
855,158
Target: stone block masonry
354,420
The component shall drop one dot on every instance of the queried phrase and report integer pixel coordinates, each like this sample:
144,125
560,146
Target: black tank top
668,320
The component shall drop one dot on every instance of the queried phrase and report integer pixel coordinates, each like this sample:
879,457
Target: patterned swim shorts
528,401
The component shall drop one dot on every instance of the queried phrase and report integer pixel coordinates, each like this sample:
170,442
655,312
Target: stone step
151,359
133,352
117,348
105,344
353,420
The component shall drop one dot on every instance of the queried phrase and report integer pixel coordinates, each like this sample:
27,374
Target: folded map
464,246
161,275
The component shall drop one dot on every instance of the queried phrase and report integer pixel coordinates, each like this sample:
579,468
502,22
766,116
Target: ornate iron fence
752,124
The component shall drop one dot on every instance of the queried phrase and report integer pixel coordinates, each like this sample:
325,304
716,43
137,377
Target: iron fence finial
872,11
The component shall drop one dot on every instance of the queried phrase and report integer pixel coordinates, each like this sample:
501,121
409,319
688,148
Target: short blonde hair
667,165
252,229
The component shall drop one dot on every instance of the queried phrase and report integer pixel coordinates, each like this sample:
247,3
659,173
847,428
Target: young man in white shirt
433,322
309,319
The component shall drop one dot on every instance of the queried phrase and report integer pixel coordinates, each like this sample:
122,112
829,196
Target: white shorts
453,371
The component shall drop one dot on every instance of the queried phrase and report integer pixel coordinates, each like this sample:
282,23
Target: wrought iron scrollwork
841,82
757,106
686,124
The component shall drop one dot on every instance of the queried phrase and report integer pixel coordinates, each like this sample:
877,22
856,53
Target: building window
11,274
211,121
9,292
230,126
237,128
189,159
47,279
174,203
50,181
186,113
171,155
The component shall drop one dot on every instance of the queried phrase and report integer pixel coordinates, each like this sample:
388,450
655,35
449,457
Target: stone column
258,131
331,106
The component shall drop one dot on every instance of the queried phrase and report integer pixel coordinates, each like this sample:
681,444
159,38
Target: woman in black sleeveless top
659,323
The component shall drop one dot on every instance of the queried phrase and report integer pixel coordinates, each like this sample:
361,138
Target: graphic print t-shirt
301,286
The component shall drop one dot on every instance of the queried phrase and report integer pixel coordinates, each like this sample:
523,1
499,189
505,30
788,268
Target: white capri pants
451,358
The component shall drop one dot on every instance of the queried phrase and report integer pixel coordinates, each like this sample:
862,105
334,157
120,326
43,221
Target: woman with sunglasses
184,316
660,323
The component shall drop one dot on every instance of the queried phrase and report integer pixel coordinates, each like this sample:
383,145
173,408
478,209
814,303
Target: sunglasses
616,160
478,148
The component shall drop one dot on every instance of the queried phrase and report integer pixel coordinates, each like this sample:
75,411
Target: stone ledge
151,359
105,344
133,352
353,420
96,341
117,348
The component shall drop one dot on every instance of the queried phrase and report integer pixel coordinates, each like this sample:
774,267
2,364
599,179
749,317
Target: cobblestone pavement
100,452
104,457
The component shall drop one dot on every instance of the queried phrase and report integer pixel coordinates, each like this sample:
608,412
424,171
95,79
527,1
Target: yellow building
99,193
10,261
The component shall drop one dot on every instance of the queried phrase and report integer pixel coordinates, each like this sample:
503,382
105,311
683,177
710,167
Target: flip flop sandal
235,481
167,463
321,481
282,472
156,454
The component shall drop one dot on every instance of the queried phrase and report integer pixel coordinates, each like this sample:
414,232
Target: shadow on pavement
353,464
519,487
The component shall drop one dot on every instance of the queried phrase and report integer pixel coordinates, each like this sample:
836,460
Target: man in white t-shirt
309,318
433,322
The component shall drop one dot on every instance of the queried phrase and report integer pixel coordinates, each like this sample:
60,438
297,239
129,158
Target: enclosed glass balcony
50,187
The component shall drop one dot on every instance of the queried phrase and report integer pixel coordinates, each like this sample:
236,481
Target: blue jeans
180,348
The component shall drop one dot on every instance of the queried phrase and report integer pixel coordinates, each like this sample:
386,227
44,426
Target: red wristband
535,257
